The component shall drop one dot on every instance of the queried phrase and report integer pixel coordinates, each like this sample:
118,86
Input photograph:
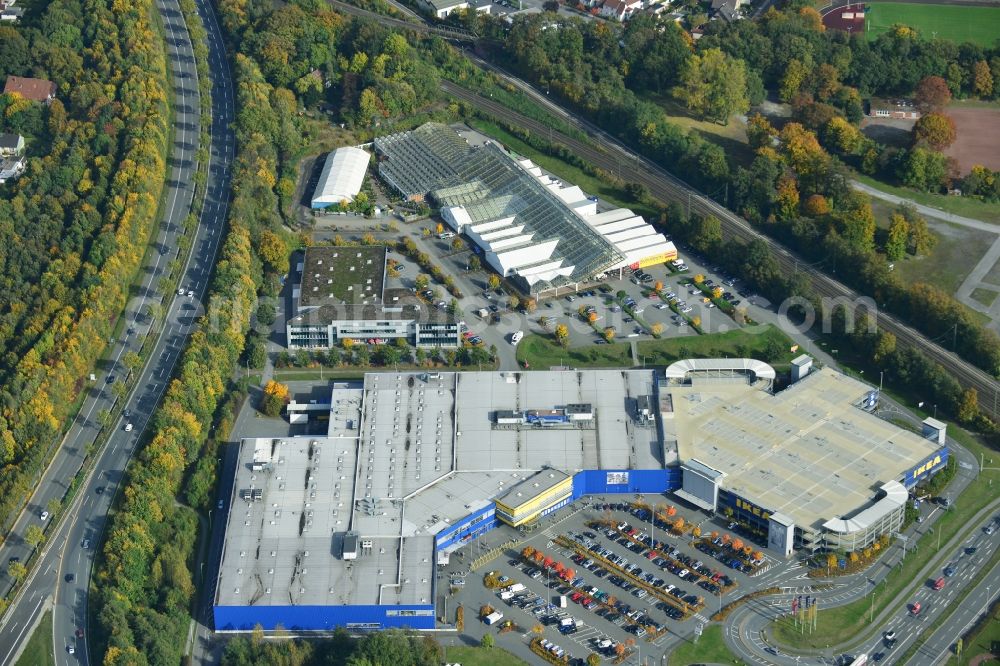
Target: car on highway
220,504
190,293
127,413
70,578
128,427
85,544
99,490
110,379
44,516
915,608
79,632
890,635
949,571
180,291
70,649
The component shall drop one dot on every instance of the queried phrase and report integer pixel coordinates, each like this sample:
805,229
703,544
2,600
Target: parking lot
600,576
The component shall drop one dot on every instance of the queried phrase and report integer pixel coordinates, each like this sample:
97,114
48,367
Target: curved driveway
85,518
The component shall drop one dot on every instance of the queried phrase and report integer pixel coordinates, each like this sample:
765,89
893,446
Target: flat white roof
809,451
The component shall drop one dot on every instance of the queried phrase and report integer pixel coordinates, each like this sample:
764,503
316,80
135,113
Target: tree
609,333
487,641
493,281
932,94
968,409
696,532
592,317
274,398
982,79
256,352
713,85
816,205
53,505
885,346
921,241
513,302
658,286
105,418
458,245
791,82
266,314
543,321
593,659
529,305
131,361
859,227
562,334
636,191
421,281
474,263
899,233
439,228
708,234
788,199
34,536
760,132
16,570
935,130
657,329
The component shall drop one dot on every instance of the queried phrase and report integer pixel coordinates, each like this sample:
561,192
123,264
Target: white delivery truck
493,617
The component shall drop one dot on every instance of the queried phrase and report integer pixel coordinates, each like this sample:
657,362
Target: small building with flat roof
342,295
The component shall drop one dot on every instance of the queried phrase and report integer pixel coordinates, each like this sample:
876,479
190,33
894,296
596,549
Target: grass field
980,25
711,649
477,656
964,206
542,352
38,651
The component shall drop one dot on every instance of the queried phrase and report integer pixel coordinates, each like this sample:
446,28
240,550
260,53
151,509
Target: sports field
980,25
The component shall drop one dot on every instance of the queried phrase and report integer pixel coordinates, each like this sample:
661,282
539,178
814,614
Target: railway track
609,155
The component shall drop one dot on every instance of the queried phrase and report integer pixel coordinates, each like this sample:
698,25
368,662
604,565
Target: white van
516,337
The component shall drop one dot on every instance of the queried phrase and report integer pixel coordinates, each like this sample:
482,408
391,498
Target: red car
650,554
576,596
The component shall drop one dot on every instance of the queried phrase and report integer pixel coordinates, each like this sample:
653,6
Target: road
85,518
941,643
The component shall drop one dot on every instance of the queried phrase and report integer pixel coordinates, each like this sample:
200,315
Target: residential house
11,145
727,9
441,8
620,10
37,90
11,168
11,14
893,108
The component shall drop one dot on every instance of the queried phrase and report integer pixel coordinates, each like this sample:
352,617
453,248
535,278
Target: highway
64,552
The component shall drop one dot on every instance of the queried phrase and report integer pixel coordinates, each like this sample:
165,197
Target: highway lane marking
20,634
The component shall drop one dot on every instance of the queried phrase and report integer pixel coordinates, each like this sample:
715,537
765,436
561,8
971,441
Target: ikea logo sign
923,469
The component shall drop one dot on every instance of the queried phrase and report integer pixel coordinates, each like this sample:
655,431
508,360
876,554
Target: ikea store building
347,529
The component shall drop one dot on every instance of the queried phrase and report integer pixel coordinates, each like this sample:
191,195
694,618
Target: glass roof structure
490,185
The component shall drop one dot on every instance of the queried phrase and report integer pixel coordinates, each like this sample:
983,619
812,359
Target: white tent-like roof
341,178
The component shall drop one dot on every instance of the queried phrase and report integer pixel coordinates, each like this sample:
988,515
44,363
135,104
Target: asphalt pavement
84,520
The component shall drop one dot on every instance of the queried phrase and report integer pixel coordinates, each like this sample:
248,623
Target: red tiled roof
38,90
